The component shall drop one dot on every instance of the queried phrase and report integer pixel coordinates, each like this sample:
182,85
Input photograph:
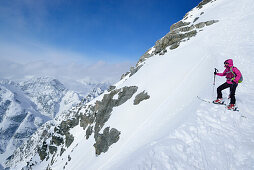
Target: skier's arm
222,74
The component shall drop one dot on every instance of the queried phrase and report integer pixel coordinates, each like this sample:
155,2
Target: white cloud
25,61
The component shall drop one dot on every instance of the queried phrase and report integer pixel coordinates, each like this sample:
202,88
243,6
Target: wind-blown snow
173,129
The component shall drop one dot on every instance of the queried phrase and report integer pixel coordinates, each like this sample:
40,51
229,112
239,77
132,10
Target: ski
235,109
223,103
207,101
211,102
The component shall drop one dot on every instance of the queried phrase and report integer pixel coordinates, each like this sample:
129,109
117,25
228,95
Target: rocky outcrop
179,32
202,3
133,70
178,25
104,140
140,97
173,39
111,88
145,56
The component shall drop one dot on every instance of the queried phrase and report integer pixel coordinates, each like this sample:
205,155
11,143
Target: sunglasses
226,63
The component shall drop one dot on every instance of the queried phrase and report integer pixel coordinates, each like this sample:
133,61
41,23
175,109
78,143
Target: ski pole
215,71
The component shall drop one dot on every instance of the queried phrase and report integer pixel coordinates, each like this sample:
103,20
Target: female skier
233,75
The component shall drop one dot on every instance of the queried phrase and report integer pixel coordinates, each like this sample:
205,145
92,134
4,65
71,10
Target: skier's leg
232,93
220,88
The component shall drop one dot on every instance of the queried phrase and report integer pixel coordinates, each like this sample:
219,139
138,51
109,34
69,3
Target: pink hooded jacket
229,75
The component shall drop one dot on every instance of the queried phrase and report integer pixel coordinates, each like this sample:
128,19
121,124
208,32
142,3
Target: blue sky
85,32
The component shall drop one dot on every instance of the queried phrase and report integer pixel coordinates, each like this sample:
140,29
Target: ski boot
218,101
231,107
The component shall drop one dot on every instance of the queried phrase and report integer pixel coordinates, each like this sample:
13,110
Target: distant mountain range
26,105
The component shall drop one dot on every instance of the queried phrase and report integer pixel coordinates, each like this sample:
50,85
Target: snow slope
173,129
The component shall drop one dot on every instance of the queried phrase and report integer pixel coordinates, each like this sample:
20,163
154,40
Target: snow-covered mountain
27,105
152,118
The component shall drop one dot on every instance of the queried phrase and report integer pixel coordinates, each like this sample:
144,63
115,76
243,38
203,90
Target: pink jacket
229,75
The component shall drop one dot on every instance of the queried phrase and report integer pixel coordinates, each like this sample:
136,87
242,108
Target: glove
215,71
233,82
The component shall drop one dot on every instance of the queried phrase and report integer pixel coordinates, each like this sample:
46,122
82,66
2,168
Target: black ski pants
232,91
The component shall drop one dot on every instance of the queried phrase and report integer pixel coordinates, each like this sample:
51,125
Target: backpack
241,78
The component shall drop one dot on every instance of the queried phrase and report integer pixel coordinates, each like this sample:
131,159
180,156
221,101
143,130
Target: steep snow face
170,129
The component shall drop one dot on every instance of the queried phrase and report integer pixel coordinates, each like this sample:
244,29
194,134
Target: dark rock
202,3
190,34
111,88
195,19
104,107
65,126
43,151
174,46
103,141
69,138
163,52
85,120
178,25
186,29
63,129
208,23
173,39
124,75
89,131
57,140
62,151
48,168
125,94
200,25
145,56
133,70
10,157
140,97
52,149
69,158
44,133
114,136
